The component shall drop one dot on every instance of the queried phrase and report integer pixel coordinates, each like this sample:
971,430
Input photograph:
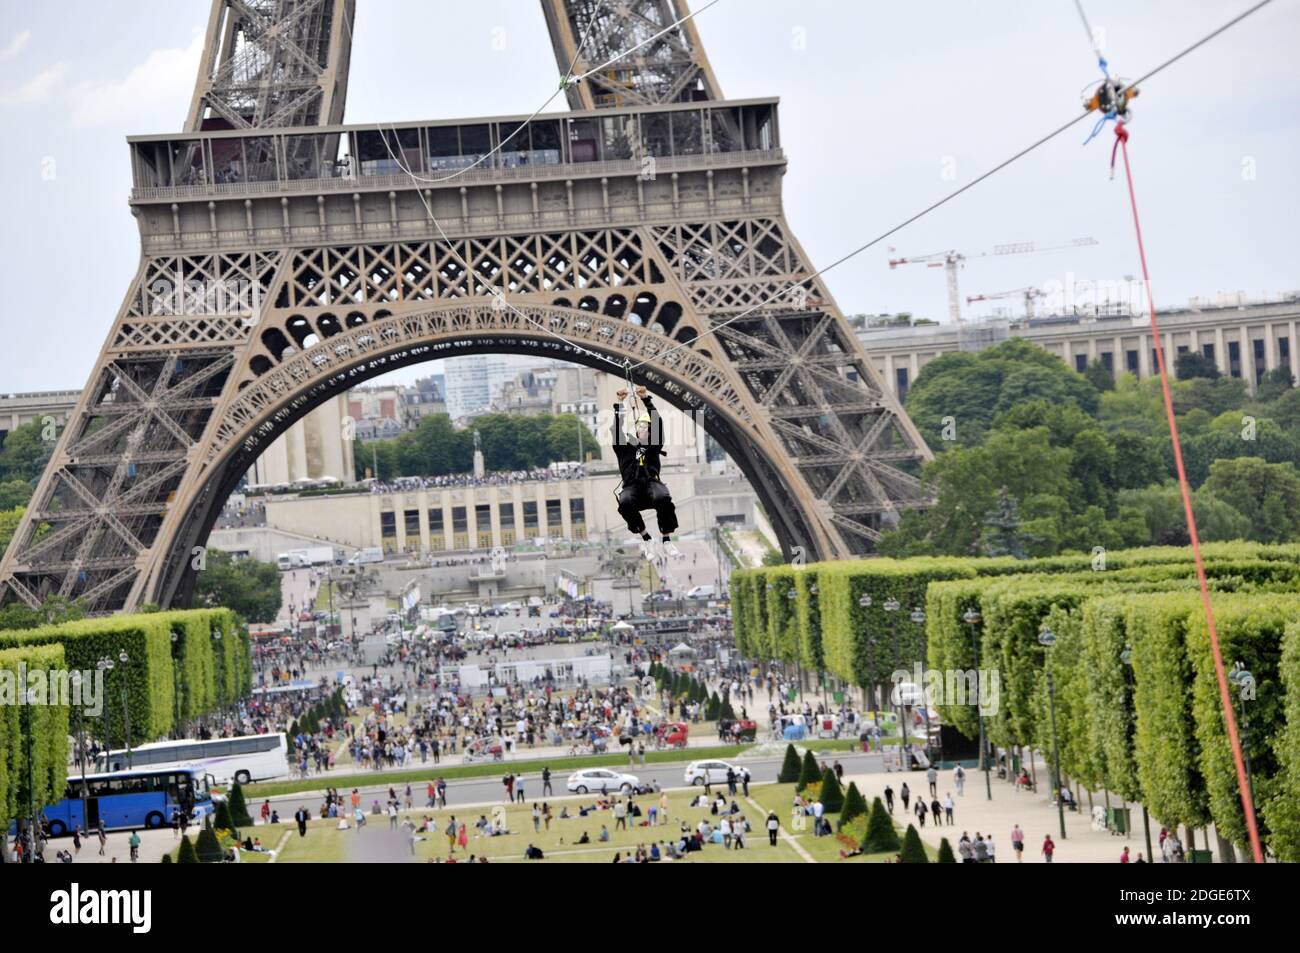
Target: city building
1244,339
482,514
19,409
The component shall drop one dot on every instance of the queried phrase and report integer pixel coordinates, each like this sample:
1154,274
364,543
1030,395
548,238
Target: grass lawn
779,797
559,765
324,843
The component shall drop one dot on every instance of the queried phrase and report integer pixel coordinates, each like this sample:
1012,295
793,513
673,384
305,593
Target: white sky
878,100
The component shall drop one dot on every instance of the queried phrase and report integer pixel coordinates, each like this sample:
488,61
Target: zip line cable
952,195
848,256
1244,789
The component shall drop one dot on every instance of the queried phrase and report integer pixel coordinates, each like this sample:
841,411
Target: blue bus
131,799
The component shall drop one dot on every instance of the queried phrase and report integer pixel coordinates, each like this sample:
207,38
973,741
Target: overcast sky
885,106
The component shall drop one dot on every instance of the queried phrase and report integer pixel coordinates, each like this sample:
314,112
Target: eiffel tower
286,258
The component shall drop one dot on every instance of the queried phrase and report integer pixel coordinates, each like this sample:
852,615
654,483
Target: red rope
1243,783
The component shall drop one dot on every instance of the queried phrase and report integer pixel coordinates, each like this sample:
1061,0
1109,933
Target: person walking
948,805
959,780
932,776
1018,842
134,843
904,795
889,798
103,838
1049,848
937,810
920,812
301,817
546,782
773,828
519,789
451,834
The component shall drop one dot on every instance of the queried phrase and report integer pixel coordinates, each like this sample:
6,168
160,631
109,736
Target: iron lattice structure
274,275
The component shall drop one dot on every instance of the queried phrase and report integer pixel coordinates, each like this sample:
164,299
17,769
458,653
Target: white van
702,592
293,560
372,554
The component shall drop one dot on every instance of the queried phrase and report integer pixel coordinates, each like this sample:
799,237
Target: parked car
602,779
709,772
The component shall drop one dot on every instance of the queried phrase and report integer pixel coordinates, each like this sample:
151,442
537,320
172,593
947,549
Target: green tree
945,852
1137,460
187,854
239,807
1099,375
1274,384
208,847
913,850
1267,494
790,767
855,806
973,388
832,795
55,610
14,494
9,520
1191,364
248,586
222,817
26,450
810,773
1002,535
881,836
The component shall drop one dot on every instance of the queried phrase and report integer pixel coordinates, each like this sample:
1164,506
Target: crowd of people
499,478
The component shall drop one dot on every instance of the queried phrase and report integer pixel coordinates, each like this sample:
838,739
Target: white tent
681,648
622,627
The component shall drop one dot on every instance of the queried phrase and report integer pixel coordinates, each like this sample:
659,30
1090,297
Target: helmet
643,419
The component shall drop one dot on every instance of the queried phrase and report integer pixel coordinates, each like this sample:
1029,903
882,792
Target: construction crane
950,261
1030,294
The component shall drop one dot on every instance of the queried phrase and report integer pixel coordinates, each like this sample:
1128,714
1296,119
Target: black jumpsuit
638,465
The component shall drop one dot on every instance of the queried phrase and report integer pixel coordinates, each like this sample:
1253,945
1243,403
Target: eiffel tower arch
286,257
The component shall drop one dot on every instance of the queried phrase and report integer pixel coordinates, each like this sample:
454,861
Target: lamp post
972,618
126,707
105,665
792,594
865,602
1047,638
32,697
1245,681
1126,657
892,606
176,683
918,618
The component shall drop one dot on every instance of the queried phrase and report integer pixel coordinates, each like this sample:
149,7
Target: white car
511,606
602,779
710,772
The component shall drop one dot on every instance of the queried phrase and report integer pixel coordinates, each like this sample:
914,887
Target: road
489,790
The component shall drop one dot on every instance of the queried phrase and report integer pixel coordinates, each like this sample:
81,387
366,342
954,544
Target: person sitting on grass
584,839
604,833
533,853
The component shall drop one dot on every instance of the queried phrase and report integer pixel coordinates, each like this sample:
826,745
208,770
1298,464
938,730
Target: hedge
1250,631
37,775
212,673
1280,808
1164,741
782,635
849,656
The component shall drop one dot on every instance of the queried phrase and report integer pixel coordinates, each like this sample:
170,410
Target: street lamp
105,665
865,602
176,682
892,606
31,697
1245,681
1126,656
126,707
972,618
918,618
1047,638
